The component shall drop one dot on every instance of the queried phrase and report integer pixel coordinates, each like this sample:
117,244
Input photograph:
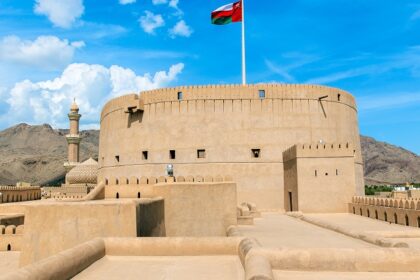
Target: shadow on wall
150,218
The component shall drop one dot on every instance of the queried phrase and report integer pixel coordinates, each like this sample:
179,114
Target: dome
84,173
74,107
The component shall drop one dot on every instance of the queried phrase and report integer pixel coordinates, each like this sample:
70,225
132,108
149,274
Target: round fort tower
227,130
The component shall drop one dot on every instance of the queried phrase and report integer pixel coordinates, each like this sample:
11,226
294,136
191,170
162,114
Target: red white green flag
227,14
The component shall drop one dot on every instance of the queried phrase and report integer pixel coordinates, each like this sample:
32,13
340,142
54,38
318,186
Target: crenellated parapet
14,188
19,193
316,150
230,92
399,211
135,102
143,180
126,102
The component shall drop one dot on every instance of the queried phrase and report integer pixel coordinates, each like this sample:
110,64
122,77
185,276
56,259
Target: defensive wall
17,193
194,205
398,211
11,237
174,209
63,192
236,130
257,262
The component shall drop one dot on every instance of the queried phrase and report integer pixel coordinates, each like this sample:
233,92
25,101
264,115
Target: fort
228,130
214,182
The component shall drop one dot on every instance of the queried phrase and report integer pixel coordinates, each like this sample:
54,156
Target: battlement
126,101
276,91
258,92
317,150
14,188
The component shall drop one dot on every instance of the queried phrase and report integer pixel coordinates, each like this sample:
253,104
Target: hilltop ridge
36,153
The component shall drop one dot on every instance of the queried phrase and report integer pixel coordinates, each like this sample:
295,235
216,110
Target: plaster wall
191,209
321,178
226,121
54,227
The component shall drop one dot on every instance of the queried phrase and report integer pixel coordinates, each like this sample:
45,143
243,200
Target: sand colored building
192,169
239,131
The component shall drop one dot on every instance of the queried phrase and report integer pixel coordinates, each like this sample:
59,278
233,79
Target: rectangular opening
201,153
256,153
172,154
117,158
316,173
338,97
145,155
261,93
336,172
180,95
290,201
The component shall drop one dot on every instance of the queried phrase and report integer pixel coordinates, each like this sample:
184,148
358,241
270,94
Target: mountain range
36,153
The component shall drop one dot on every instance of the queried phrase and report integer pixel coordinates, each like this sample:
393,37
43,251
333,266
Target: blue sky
54,50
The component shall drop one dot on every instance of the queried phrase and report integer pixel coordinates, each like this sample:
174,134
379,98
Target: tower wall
319,178
227,122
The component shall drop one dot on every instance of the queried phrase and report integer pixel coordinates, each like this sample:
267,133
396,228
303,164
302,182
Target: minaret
73,138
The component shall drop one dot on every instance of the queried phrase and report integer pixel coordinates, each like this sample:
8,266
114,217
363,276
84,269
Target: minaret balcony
73,138
74,116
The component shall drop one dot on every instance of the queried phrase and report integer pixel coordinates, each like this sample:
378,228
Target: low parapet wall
69,263
11,237
53,227
398,211
17,194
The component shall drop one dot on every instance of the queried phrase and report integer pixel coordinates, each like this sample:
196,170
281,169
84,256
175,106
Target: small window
261,93
316,173
117,158
201,153
336,172
145,155
326,174
338,97
256,153
180,95
172,154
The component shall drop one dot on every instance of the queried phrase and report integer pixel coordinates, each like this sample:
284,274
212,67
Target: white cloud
159,2
149,22
389,101
61,13
47,52
125,2
174,4
180,29
409,60
91,85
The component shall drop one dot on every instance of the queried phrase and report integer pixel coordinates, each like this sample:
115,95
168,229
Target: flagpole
243,45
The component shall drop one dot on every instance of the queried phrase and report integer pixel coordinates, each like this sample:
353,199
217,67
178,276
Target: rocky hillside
388,164
36,154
